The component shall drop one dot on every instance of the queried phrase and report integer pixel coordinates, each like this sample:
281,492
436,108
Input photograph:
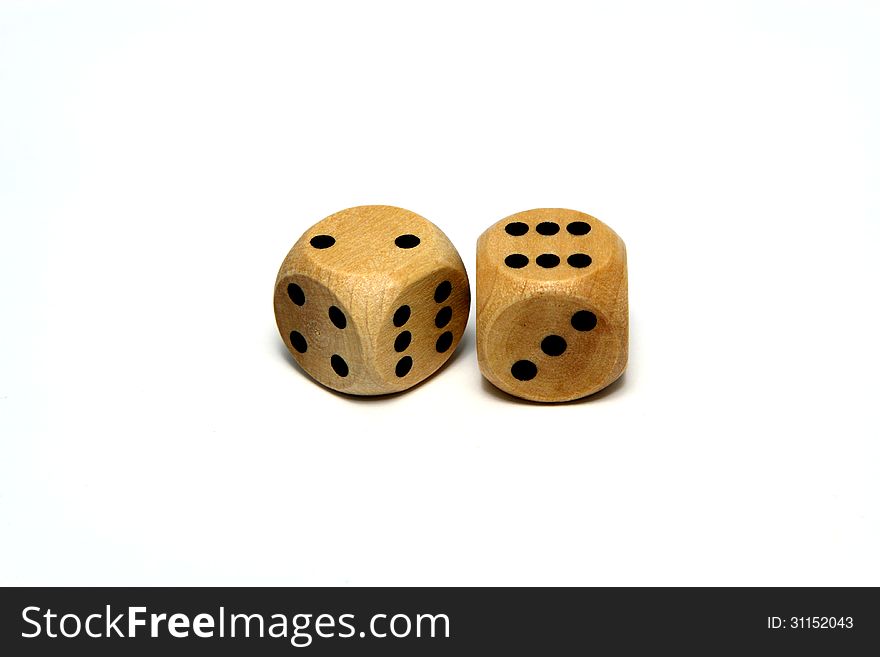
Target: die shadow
464,346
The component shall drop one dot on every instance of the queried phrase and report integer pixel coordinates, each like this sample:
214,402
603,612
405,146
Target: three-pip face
372,300
552,317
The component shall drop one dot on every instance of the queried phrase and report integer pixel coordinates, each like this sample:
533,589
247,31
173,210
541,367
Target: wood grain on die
372,300
552,308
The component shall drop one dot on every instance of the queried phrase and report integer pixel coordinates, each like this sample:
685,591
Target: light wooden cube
372,300
552,314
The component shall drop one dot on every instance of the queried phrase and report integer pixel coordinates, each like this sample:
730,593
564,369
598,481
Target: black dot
444,342
547,228
554,345
524,370
298,341
516,228
296,294
322,241
547,260
407,241
401,316
444,315
404,365
578,228
339,365
442,292
337,317
584,320
516,261
580,260
402,342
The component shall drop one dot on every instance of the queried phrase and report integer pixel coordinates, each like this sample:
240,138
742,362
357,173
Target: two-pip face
372,300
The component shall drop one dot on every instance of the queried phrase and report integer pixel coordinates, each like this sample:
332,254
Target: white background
157,161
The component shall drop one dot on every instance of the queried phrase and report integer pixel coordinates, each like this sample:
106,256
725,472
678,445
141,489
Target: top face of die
372,238
550,244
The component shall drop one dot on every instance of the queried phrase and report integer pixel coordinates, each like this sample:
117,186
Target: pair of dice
374,299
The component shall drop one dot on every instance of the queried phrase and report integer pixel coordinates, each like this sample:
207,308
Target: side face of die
372,300
552,307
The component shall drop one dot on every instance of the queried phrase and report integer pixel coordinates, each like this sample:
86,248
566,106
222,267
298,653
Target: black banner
417,621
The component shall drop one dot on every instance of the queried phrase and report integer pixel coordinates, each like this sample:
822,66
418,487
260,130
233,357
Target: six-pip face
549,244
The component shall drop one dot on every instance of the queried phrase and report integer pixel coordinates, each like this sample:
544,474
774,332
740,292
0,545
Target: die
372,300
552,309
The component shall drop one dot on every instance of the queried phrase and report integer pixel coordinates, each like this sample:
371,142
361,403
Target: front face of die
372,300
553,348
552,305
